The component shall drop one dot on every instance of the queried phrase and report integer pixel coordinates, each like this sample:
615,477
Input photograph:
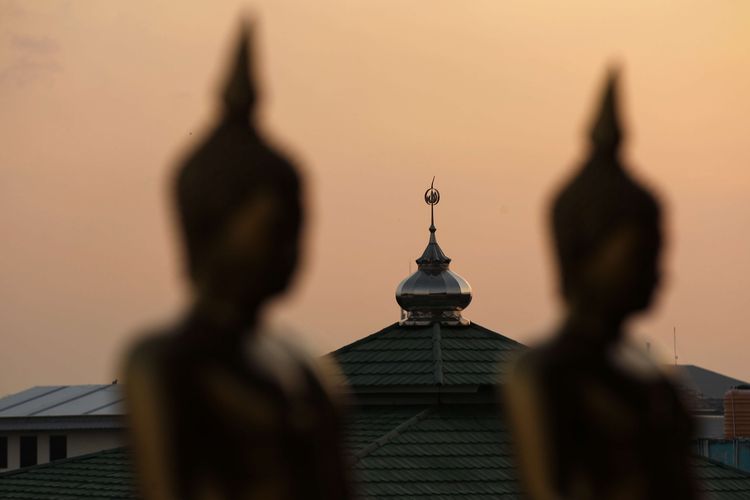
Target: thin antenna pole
674,338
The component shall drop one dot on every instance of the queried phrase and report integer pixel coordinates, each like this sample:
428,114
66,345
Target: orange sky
97,99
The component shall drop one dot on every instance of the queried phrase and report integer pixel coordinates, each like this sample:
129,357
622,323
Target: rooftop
435,355
433,451
707,383
105,475
63,400
57,407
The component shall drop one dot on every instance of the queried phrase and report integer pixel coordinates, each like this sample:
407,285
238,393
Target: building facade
47,423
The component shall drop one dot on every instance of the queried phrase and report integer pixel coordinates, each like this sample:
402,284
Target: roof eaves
412,389
62,422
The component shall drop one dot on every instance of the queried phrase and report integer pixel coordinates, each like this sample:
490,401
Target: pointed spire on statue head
239,93
233,167
601,199
606,130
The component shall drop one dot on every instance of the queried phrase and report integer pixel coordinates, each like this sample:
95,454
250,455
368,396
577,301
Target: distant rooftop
438,453
64,401
707,383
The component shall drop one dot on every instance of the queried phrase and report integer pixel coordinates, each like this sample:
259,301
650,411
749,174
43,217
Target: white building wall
80,442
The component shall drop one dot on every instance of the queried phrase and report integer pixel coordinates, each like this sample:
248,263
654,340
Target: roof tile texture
405,356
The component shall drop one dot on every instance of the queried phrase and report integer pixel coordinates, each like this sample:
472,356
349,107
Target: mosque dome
433,293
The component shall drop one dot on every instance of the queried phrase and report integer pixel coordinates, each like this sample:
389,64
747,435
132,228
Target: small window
58,447
3,452
28,451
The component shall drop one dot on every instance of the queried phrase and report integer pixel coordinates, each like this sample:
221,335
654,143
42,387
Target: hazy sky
373,97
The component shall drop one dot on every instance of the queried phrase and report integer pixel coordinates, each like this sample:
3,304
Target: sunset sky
373,98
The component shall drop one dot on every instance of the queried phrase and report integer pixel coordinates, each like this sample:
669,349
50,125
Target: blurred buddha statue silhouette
593,417
218,410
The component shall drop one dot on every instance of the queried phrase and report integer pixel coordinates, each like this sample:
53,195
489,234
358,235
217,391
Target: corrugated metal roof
64,400
423,355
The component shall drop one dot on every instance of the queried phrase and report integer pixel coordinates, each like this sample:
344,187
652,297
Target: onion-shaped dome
433,293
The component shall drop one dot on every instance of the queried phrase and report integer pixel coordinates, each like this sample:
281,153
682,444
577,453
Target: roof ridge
437,353
392,434
364,340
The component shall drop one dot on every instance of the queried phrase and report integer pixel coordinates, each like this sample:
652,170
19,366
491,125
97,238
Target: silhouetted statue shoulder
593,415
218,408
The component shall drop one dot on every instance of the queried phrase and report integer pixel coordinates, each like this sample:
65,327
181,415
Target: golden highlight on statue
217,409
593,417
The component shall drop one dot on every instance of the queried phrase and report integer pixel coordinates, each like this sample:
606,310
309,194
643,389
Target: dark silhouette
218,410
593,417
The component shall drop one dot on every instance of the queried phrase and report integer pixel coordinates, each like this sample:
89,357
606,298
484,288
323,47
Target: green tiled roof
105,475
429,355
365,427
449,452
437,452
464,451
722,482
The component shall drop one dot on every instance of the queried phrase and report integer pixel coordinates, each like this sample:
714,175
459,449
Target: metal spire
433,256
432,198
434,293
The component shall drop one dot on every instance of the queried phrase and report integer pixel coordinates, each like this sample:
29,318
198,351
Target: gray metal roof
64,401
707,383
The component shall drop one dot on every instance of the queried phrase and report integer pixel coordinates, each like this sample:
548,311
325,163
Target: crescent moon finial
432,195
432,198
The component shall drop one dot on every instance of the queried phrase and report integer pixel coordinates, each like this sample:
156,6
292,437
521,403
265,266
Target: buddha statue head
607,227
238,203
